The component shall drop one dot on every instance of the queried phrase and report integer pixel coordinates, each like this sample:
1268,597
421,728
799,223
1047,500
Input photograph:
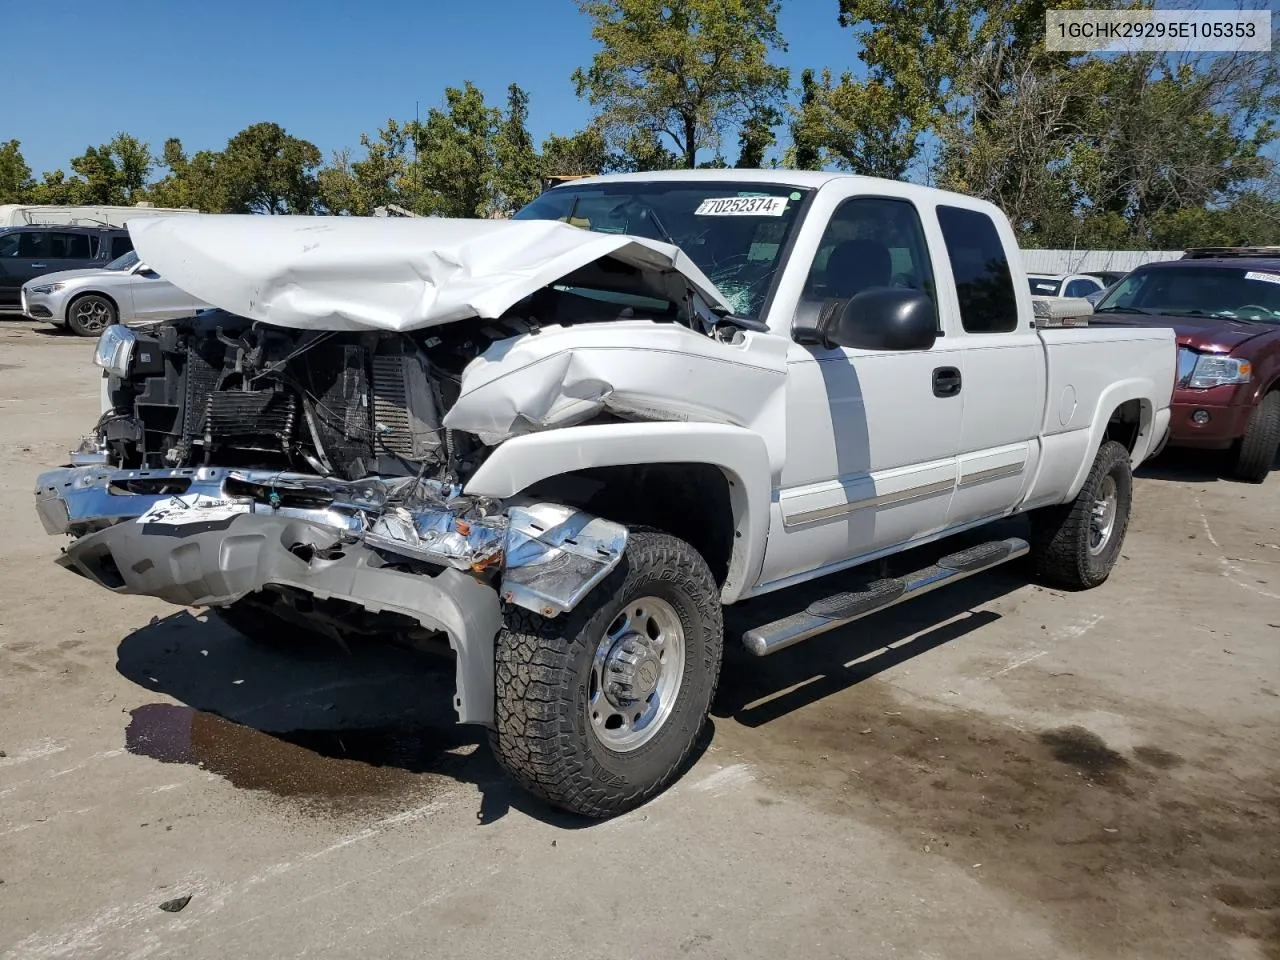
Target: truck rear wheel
1076,545
1255,454
599,709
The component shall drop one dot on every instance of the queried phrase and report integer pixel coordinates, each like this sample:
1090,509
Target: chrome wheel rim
1102,522
636,674
93,315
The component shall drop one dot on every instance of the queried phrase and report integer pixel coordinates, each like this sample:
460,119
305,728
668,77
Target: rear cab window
980,265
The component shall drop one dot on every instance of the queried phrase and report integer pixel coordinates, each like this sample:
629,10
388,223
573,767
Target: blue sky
325,70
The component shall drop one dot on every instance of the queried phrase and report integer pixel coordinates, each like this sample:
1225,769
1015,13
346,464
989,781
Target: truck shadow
1191,466
1185,466
332,732
756,691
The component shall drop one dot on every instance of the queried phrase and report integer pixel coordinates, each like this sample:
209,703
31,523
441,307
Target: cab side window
980,265
869,243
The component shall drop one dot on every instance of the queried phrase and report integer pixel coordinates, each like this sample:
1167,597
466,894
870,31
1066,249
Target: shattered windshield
1231,293
734,232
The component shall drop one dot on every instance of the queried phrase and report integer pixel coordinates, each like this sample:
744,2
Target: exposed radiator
259,417
404,407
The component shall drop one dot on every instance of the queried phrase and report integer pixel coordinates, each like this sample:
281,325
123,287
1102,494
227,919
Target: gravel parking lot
999,770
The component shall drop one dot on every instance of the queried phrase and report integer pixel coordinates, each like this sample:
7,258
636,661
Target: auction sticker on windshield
742,207
1264,277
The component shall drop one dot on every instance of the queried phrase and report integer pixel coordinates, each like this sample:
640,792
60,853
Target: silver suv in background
88,301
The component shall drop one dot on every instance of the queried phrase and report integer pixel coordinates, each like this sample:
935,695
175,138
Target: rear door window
121,245
69,246
980,265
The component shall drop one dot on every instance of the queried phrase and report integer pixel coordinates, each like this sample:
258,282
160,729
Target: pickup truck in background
1224,305
559,445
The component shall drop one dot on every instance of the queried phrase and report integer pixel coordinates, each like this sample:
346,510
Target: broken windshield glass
734,232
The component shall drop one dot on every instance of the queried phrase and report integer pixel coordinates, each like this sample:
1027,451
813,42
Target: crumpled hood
355,273
63,275
1207,334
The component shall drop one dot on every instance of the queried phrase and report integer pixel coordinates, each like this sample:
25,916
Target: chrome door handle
38,266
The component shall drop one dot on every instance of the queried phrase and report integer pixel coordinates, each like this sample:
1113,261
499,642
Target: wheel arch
1125,413
687,479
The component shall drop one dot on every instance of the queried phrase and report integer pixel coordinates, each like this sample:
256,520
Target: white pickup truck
558,446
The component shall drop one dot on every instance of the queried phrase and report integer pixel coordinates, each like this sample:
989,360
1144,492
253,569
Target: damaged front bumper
210,536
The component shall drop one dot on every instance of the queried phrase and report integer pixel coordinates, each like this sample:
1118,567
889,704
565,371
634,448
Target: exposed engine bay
219,389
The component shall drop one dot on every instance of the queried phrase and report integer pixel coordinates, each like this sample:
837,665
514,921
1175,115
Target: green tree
683,71
265,170
1252,219
381,178
197,181
55,187
583,152
519,169
456,155
643,151
15,175
757,136
805,152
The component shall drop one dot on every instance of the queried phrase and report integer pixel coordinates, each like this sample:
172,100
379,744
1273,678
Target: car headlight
115,350
47,288
1201,371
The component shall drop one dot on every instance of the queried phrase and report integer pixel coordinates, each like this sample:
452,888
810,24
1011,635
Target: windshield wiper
1121,310
653,218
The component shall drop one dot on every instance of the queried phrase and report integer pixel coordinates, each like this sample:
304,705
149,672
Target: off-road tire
544,737
77,324
1255,453
1060,535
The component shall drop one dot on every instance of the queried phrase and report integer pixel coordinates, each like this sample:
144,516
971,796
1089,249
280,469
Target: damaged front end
358,551
305,447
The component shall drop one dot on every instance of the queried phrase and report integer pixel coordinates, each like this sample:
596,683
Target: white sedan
88,301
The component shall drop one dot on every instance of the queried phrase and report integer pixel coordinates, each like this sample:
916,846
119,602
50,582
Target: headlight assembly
1201,371
115,350
47,288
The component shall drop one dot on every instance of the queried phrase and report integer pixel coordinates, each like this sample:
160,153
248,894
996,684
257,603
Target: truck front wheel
599,709
1076,545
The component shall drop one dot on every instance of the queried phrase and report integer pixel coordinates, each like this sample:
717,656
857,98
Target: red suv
1224,305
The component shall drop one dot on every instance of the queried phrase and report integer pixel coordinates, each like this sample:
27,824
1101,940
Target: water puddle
328,769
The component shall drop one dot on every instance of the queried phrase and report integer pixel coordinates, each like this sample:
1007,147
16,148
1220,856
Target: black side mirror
888,318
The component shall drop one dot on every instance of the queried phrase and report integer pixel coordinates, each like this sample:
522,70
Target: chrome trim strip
883,500
993,473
